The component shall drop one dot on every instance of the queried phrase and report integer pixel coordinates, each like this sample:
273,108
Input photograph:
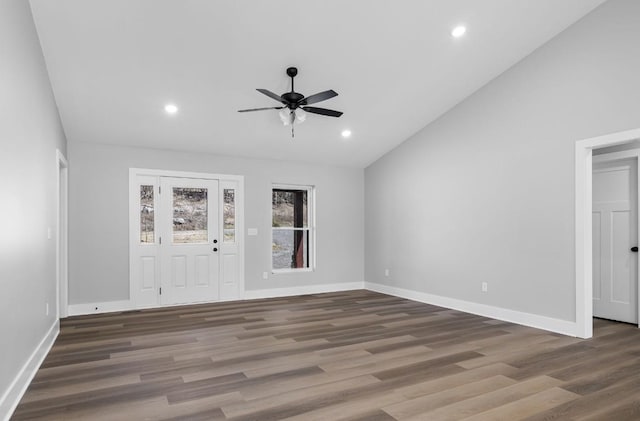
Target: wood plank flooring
355,355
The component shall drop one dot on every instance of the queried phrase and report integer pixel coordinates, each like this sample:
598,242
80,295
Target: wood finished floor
354,355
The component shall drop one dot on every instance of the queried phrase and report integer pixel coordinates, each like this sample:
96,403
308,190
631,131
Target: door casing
62,235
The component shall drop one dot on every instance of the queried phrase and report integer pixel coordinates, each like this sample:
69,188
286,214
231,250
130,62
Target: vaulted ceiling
115,64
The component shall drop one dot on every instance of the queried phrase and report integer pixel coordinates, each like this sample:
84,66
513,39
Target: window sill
290,271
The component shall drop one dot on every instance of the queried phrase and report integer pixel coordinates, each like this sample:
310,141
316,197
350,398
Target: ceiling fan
295,105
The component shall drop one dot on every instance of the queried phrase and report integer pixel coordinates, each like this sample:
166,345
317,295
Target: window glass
147,234
290,249
190,215
290,208
229,215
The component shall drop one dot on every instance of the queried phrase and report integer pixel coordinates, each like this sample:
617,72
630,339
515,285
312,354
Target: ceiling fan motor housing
290,99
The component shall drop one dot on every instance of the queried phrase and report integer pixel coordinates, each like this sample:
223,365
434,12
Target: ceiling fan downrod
292,72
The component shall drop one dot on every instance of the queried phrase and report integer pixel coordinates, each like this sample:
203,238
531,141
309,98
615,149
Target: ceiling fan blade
271,95
260,109
322,111
312,99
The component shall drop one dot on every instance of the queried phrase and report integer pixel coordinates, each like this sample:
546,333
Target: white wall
30,132
98,216
486,192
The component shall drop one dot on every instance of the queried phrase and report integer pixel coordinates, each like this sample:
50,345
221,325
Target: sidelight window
146,215
229,215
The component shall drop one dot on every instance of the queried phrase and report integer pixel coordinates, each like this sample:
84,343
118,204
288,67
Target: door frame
583,223
62,235
222,178
628,155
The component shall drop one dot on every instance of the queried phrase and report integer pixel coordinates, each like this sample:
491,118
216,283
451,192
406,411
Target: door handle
216,248
634,249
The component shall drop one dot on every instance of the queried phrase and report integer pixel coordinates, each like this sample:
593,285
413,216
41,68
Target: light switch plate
252,231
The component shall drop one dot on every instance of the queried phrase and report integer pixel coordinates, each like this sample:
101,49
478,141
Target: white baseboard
301,290
11,397
527,319
95,308
125,305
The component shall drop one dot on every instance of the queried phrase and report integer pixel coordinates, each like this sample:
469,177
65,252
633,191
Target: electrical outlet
265,275
485,287
386,273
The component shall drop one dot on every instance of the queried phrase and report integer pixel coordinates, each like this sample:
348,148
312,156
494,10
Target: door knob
215,249
634,249
215,241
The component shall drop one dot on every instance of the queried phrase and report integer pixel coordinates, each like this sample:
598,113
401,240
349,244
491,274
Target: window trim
311,227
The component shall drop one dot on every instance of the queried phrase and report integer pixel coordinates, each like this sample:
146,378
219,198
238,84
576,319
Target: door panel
615,231
148,267
189,226
622,261
178,271
202,274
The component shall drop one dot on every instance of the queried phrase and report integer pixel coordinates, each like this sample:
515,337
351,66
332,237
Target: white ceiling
114,64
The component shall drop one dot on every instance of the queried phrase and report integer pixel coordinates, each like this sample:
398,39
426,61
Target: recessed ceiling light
171,109
458,31
346,133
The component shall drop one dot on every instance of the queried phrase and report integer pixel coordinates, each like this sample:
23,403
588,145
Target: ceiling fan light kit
290,117
295,105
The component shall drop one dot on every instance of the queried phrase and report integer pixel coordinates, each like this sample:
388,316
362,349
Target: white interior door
189,232
615,232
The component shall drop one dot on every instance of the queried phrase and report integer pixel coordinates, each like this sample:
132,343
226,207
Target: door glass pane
146,215
229,216
289,208
290,249
190,215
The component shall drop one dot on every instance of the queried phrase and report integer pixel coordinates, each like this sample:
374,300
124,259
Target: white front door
190,243
615,232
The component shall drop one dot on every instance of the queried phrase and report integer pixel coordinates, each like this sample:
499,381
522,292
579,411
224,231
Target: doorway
615,237
185,242
584,225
